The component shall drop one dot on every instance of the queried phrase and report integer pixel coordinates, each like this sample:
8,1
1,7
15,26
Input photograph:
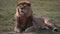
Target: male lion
23,16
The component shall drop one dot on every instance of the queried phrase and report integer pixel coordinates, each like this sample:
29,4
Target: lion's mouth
22,11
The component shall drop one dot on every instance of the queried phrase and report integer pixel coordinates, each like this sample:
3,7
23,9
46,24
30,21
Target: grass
41,8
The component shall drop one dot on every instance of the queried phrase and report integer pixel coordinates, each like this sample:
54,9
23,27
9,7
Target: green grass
41,8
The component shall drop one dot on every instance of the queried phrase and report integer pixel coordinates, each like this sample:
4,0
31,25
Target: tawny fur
50,24
23,21
42,23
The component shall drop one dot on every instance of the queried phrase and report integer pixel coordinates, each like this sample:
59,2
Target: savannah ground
41,8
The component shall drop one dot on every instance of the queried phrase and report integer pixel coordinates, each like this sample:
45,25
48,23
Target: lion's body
24,19
42,23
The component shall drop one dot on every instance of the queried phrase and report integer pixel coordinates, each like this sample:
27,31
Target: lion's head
24,8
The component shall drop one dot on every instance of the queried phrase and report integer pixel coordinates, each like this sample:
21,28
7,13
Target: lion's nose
22,11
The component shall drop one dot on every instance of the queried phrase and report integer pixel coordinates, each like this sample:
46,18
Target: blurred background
41,8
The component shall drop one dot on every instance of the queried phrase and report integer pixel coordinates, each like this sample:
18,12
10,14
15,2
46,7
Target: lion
23,16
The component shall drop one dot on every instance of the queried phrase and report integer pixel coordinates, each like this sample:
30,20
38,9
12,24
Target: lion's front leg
18,25
17,30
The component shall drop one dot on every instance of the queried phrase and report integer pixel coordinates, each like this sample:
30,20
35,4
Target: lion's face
24,8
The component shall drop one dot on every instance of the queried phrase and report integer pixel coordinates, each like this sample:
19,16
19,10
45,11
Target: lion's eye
23,7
